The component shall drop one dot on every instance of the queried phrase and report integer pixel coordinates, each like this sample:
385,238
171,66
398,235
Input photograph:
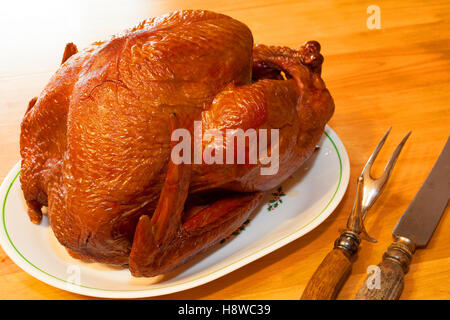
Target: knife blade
414,230
423,214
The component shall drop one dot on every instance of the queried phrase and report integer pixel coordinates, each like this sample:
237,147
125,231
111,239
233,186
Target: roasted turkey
96,143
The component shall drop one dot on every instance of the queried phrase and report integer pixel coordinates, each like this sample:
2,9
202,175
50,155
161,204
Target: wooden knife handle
387,282
334,270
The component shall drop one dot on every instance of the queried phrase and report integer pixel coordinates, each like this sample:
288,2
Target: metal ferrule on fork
349,242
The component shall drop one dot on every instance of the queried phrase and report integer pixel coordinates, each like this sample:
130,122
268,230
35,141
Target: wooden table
398,75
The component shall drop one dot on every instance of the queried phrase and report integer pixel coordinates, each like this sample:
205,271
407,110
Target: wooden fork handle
329,277
334,270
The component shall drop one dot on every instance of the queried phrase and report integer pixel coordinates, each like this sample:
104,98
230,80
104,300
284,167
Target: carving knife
413,230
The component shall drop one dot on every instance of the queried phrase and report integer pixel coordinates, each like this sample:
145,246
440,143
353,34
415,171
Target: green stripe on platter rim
175,284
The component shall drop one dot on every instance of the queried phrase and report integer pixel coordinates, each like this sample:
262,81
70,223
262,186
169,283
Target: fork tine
368,188
394,157
366,170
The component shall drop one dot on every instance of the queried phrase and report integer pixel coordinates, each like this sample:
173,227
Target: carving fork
334,270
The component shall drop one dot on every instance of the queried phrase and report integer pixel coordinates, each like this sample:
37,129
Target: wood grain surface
397,75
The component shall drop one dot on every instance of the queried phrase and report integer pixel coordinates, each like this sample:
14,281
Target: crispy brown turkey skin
95,144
